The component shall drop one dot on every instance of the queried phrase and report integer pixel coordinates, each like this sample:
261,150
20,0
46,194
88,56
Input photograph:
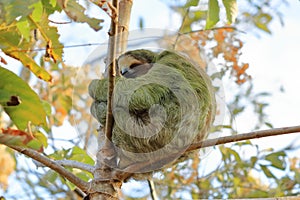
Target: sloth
162,103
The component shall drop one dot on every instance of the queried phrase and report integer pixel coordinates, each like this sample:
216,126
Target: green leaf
51,176
51,36
59,155
297,176
47,107
231,10
12,45
238,110
37,12
228,153
277,159
70,185
266,171
30,64
76,12
41,138
35,144
23,27
253,161
268,124
53,2
190,3
80,155
50,6
235,154
17,8
84,175
141,23
262,21
65,101
212,14
6,99
191,18
30,108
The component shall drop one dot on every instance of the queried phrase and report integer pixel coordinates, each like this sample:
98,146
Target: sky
274,61
274,64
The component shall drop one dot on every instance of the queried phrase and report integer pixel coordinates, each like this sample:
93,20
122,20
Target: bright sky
274,63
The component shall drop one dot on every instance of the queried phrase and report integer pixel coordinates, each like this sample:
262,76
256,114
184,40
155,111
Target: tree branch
84,186
152,190
207,143
107,189
123,26
245,136
180,28
111,64
213,29
75,164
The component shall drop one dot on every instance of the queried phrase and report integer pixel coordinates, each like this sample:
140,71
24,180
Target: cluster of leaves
19,101
211,15
253,15
17,32
7,163
259,14
42,183
21,25
251,100
76,154
235,177
26,30
223,47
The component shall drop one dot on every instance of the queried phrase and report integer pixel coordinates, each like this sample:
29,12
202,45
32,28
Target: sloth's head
135,63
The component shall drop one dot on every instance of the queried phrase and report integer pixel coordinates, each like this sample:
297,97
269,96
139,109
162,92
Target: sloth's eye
134,65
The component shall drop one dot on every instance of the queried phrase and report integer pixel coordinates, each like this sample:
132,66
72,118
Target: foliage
19,101
8,165
27,35
235,176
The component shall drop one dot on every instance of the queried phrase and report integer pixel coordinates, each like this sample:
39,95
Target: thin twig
152,190
107,189
111,62
55,47
123,25
88,134
212,29
75,164
181,27
84,186
54,22
245,136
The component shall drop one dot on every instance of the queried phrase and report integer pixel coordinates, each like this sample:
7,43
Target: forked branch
84,186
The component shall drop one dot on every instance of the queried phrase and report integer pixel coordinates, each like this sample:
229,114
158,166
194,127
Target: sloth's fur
159,113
